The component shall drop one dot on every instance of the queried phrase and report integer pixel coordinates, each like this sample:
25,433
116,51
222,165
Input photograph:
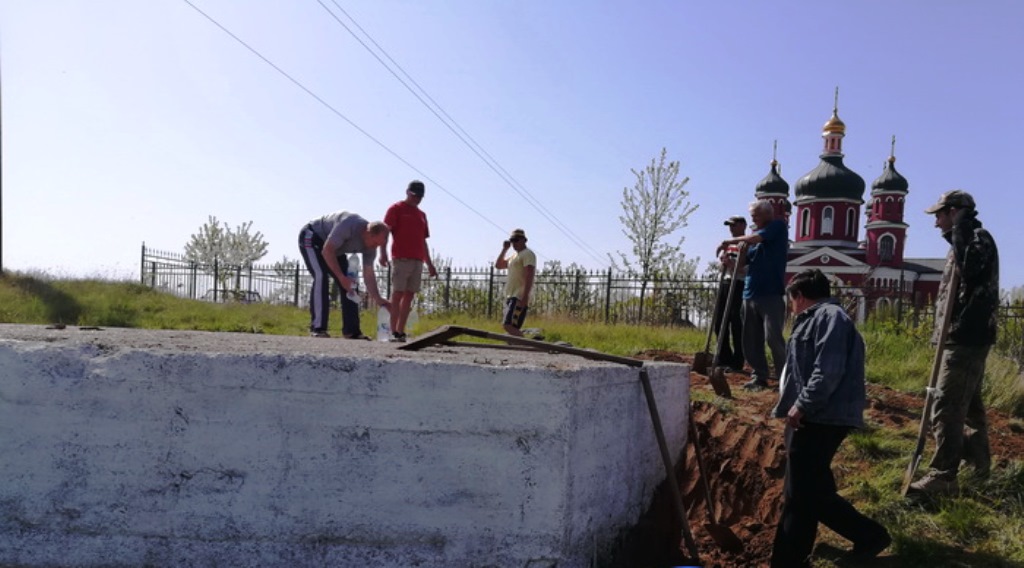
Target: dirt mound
744,459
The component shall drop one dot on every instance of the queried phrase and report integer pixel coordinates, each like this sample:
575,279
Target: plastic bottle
353,274
383,324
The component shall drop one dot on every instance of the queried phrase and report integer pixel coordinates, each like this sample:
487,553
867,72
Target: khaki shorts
406,274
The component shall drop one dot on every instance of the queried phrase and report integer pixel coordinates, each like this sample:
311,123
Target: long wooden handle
718,294
670,474
724,325
947,318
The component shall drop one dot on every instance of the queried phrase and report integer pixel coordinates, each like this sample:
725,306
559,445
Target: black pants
811,498
311,250
732,344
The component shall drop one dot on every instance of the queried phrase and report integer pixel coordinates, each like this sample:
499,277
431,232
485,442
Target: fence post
490,293
142,265
608,298
447,289
216,279
152,274
192,280
296,300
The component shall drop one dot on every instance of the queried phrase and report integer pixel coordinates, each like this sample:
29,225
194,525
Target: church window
886,248
826,220
850,222
805,223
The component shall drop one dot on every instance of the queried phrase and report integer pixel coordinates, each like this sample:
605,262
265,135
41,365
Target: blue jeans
763,318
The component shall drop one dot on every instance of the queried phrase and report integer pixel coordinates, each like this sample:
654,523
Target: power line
298,84
457,130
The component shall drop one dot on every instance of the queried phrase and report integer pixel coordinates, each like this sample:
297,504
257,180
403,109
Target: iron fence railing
592,296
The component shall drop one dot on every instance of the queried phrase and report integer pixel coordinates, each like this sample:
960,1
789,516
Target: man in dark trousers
957,413
822,398
323,244
764,308
732,344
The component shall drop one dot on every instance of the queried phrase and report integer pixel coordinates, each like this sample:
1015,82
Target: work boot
933,485
863,552
755,385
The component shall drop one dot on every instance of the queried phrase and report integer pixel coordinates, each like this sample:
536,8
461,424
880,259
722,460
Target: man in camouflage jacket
957,413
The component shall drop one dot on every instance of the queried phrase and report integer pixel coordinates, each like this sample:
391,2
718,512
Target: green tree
655,208
229,247
232,249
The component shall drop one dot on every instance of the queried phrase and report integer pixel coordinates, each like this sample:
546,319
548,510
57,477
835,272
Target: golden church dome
834,125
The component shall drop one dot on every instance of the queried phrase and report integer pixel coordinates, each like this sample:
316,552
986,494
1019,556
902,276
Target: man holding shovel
764,309
957,412
731,354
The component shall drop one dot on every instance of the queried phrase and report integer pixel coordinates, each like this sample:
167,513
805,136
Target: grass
983,527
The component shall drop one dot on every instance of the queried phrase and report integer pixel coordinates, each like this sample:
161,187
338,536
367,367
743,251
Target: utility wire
457,130
340,115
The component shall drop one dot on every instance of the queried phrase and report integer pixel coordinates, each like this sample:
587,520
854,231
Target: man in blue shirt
764,308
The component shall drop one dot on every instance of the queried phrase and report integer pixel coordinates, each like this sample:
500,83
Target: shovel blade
724,537
701,362
719,384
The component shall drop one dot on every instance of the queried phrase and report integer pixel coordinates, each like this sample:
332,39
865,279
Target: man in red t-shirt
409,251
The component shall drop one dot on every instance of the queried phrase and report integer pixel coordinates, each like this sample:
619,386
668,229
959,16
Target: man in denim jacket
822,398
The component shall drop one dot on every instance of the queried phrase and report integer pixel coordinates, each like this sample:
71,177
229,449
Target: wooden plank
445,333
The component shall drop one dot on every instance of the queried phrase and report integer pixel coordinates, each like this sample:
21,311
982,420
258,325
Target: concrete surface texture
131,447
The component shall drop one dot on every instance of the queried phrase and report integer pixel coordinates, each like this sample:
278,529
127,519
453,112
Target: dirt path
745,461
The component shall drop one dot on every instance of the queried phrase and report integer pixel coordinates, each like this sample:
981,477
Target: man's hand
433,271
346,283
505,245
793,418
380,301
383,260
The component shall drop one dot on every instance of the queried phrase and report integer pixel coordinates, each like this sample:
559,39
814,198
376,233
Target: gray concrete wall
129,447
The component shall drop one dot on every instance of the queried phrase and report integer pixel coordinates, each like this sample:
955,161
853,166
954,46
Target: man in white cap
522,267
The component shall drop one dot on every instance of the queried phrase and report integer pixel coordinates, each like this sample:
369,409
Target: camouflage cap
955,198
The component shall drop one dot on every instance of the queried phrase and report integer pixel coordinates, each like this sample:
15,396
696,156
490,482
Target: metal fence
586,296
593,296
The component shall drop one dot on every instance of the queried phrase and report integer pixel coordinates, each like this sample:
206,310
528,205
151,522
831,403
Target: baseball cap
517,234
416,186
955,198
736,219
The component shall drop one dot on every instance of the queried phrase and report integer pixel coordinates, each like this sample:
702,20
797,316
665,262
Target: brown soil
744,460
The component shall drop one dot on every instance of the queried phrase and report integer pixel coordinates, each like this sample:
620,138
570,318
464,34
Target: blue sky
127,122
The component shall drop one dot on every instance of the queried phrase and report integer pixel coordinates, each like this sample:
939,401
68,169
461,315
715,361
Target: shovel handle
947,318
670,474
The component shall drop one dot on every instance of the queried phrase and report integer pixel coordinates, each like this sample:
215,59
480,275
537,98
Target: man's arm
502,263
428,260
383,260
330,255
371,286
528,274
751,239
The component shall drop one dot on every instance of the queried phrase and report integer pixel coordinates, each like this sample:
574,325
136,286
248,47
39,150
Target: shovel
947,316
670,475
721,534
717,375
702,361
